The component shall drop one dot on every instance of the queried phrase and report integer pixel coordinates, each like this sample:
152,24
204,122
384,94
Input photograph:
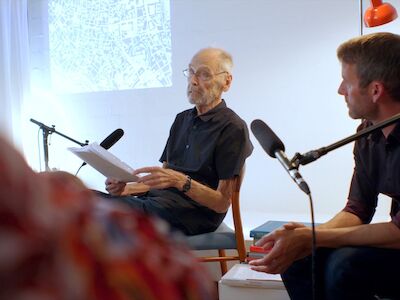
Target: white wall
286,73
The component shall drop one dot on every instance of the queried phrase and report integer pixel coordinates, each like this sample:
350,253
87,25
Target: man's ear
227,83
377,90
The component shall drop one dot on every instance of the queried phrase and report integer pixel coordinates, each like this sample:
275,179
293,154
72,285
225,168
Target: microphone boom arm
49,130
52,129
306,158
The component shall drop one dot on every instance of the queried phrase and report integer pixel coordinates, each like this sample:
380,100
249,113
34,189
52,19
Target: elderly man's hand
114,187
286,244
161,178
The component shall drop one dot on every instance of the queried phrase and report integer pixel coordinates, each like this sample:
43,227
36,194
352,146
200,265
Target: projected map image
102,45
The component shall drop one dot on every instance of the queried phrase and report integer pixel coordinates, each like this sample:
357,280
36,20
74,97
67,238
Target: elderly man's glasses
202,74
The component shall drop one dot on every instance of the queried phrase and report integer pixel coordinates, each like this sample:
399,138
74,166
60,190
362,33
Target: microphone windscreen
266,137
112,138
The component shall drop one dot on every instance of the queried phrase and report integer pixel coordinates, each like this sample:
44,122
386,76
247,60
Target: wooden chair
224,238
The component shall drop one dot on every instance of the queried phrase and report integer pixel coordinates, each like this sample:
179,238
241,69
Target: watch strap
188,184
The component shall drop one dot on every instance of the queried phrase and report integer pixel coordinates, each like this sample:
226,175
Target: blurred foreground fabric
58,241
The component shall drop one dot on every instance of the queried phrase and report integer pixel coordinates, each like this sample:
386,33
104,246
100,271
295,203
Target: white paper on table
105,162
242,275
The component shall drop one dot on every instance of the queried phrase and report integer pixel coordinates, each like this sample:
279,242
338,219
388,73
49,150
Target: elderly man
205,151
355,259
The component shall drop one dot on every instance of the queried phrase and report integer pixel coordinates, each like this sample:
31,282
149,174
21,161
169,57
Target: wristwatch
188,184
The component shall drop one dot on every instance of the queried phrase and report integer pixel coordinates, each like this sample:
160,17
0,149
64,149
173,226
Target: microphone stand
306,158
46,132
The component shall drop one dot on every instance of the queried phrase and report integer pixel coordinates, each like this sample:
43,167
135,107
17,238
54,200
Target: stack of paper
105,162
243,275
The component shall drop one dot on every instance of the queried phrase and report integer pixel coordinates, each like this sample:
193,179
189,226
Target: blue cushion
222,238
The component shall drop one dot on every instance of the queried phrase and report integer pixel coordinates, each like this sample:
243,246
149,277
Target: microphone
112,138
276,149
109,141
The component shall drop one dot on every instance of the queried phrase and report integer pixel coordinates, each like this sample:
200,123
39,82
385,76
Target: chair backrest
224,237
237,219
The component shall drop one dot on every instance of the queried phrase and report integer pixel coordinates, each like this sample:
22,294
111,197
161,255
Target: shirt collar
396,132
378,134
211,113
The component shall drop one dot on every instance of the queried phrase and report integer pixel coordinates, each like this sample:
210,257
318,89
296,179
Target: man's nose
341,89
193,80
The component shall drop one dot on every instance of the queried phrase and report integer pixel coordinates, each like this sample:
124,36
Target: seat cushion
222,238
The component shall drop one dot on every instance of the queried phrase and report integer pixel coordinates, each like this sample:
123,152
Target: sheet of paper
105,162
243,275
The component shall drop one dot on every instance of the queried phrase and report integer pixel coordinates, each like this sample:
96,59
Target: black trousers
145,205
346,273
186,218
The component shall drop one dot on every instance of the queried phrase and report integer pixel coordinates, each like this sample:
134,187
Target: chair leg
224,267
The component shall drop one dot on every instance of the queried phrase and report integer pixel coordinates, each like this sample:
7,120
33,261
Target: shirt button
187,146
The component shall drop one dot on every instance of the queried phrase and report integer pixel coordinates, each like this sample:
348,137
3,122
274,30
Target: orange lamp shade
379,13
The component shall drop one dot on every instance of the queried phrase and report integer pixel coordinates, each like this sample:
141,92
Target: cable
313,250
39,154
79,169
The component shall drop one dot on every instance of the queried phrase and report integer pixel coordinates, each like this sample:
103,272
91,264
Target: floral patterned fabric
58,241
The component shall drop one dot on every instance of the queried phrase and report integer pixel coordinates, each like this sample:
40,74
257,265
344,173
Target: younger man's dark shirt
377,170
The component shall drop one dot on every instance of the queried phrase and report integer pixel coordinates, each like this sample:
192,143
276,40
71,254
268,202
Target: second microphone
276,149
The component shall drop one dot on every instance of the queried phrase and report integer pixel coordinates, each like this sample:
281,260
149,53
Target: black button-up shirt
377,170
208,148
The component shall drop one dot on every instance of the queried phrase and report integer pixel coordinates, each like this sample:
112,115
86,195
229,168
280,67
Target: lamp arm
361,18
